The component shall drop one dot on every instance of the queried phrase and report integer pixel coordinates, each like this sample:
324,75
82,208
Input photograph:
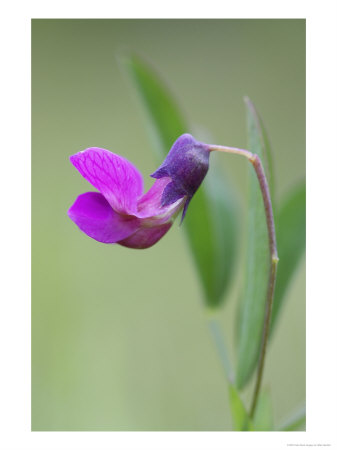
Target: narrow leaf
290,233
257,260
211,233
261,136
240,417
263,418
166,120
209,224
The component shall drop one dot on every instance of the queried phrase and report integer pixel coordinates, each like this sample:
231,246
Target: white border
321,226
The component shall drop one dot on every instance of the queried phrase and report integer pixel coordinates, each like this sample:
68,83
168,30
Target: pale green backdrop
119,337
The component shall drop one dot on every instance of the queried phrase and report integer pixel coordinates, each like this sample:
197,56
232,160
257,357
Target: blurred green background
119,336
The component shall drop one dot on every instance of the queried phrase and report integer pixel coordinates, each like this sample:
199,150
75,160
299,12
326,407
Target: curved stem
272,275
256,162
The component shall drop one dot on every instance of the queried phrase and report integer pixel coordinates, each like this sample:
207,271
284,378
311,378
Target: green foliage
263,417
211,231
290,234
252,308
165,117
210,222
241,420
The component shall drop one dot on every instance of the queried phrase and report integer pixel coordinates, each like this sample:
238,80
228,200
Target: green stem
256,162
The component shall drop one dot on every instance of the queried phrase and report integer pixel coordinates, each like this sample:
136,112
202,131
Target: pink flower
120,212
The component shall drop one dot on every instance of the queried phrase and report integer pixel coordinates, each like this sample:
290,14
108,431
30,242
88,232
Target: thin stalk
258,167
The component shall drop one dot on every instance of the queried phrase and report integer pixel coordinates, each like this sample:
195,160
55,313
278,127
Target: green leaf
210,221
290,235
295,422
240,417
211,232
260,136
165,117
257,261
263,418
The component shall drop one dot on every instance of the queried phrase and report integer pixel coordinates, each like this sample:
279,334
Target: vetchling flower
120,212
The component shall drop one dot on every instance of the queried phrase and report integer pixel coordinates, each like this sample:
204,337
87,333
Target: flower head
120,212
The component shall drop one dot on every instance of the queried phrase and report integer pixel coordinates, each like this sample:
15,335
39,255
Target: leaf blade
261,136
290,233
252,308
240,417
263,418
212,236
168,123
210,225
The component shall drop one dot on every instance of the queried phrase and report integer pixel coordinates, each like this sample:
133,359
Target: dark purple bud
187,165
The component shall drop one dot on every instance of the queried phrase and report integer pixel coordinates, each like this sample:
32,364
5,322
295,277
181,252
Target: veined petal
146,237
94,216
115,177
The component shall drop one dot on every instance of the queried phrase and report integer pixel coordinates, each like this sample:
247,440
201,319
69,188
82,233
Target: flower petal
172,193
115,177
150,204
146,237
94,216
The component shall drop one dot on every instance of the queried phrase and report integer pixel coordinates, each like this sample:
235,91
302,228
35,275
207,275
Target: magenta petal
115,177
94,216
146,237
149,205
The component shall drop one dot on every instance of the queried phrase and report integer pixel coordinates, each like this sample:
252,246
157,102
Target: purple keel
94,216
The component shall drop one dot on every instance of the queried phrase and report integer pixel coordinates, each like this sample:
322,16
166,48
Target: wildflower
120,212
